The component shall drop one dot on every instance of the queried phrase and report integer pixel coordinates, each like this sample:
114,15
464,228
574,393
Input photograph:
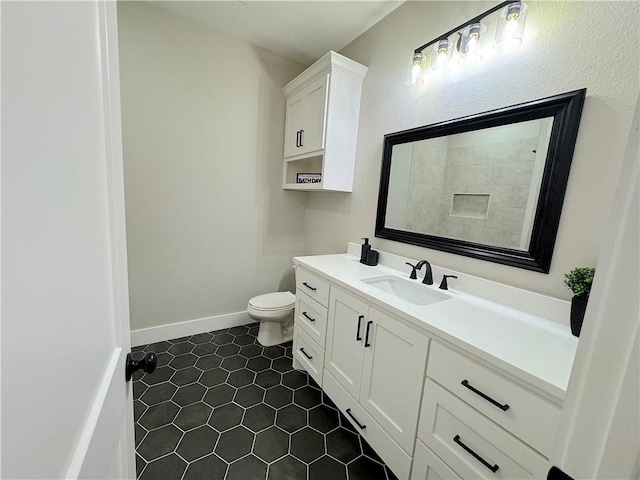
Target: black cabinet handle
358,337
504,407
309,286
305,353
493,468
147,364
301,137
308,317
366,338
361,426
298,138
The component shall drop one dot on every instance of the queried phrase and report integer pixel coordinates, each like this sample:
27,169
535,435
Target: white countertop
531,348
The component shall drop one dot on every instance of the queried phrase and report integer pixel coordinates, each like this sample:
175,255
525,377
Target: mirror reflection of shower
480,186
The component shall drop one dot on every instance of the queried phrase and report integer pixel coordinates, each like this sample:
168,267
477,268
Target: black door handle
493,468
301,142
298,138
308,317
147,364
366,338
358,337
305,354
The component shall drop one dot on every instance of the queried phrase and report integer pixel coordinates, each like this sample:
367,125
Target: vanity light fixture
467,41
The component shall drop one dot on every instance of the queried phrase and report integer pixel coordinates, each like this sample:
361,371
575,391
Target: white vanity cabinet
423,386
321,126
379,363
480,424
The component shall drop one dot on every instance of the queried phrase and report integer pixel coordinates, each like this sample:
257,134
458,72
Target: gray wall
208,224
557,56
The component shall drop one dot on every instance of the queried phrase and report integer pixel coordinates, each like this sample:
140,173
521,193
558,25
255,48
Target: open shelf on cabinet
307,165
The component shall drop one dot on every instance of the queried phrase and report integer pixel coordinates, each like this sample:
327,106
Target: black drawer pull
362,427
366,338
309,286
358,337
493,468
308,317
305,353
504,407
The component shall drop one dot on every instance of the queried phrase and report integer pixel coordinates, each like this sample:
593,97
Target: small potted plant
579,281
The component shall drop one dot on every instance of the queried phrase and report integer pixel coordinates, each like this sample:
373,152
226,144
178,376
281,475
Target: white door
395,358
346,331
598,435
66,409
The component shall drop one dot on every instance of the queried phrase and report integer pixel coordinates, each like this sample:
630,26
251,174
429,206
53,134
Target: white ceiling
302,31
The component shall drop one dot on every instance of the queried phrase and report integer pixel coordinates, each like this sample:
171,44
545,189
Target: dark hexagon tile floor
221,406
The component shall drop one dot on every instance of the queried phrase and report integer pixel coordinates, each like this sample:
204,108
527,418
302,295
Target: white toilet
275,313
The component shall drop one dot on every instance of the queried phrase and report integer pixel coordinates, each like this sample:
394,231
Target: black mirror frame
566,110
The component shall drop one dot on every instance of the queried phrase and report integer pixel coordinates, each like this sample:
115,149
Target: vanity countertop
534,349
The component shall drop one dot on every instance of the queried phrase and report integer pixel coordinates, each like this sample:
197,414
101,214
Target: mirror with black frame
487,186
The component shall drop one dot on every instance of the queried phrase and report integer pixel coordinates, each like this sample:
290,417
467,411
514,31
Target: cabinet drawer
393,455
427,465
313,286
472,445
311,317
309,354
528,416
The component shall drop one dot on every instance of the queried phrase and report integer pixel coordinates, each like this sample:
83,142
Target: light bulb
442,56
510,26
471,40
415,71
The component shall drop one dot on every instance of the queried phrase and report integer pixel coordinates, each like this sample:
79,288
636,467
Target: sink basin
411,291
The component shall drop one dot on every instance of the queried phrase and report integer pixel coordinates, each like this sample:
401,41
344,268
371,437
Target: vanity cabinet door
395,358
345,340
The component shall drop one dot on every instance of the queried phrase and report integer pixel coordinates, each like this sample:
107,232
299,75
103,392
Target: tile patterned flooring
221,406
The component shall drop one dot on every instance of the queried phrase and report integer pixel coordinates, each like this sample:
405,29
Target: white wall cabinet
321,127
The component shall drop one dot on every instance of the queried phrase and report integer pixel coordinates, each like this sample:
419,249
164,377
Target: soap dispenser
365,251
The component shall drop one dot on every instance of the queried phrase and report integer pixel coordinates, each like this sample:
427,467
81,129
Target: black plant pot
578,307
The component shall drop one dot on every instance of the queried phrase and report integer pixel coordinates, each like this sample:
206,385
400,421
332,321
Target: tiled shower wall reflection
503,170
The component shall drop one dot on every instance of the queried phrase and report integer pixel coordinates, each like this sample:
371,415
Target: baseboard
144,336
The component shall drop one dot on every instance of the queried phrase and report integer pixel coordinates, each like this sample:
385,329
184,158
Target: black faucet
428,275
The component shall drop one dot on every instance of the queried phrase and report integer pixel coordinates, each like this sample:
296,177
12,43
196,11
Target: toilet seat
270,302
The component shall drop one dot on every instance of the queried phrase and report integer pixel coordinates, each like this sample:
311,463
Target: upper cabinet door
345,340
395,358
312,136
295,122
306,119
